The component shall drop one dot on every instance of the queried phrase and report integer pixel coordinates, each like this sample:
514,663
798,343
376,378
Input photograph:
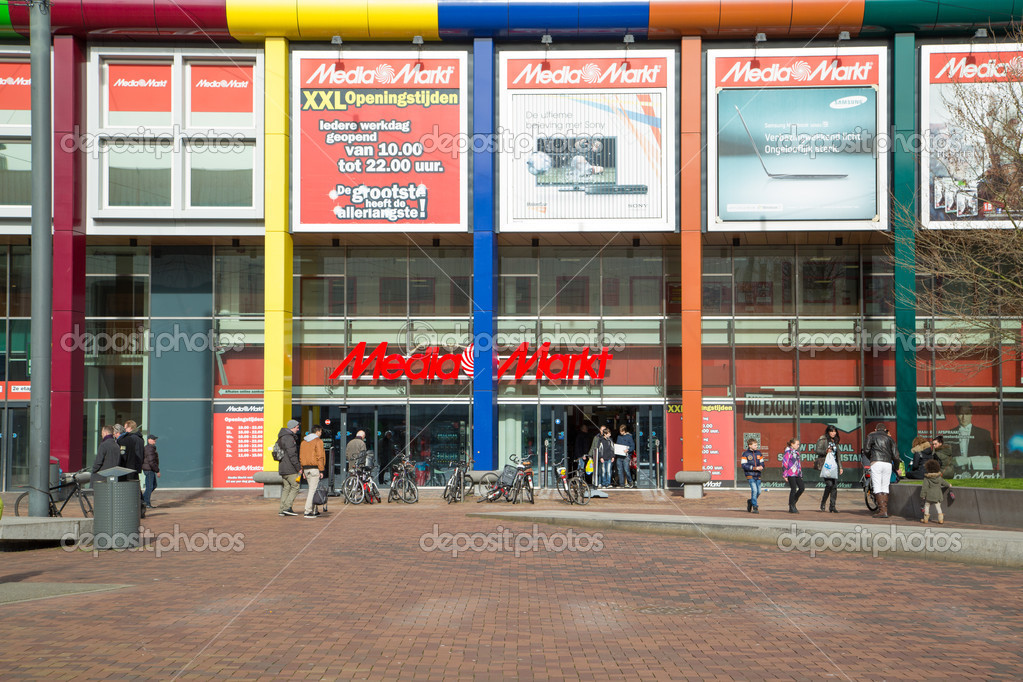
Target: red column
68,366
692,258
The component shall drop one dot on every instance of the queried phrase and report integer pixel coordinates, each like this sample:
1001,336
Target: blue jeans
150,486
624,475
605,472
754,490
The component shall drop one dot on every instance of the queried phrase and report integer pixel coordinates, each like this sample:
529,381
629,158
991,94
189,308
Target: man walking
882,454
150,469
133,448
289,467
314,461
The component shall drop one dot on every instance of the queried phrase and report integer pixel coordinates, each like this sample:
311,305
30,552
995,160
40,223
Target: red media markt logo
431,364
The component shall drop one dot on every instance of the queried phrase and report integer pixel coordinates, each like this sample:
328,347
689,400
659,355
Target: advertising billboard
792,139
376,141
237,445
587,141
970,112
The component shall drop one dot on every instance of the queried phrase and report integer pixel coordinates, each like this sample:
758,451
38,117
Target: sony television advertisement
792,139
587,141
970,113
376,141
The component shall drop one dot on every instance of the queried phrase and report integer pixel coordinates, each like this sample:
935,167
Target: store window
176,134
829,281
15,135
763,281
238,281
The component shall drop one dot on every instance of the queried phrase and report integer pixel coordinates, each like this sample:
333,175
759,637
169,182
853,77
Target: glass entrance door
14,448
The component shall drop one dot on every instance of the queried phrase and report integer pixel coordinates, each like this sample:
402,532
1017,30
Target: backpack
278,452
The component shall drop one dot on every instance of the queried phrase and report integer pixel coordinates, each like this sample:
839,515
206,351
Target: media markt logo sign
618,72
431,365
832,69
382,74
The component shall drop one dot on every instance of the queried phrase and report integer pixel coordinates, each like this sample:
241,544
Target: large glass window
829,281
15,173
238,281
763,281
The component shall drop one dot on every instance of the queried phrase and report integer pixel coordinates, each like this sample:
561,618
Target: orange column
692,261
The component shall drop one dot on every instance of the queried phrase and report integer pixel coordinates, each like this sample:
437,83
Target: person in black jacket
289,467
752,462
880,450
133,448
150,469
830,468
109,453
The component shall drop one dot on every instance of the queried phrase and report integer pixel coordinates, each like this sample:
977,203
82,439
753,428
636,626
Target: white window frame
179,218
15,133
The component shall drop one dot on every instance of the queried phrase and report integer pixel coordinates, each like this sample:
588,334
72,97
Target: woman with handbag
829,465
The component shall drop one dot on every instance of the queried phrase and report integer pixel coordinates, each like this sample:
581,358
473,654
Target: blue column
484,259
903,219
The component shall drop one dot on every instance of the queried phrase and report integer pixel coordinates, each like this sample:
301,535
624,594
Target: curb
985,547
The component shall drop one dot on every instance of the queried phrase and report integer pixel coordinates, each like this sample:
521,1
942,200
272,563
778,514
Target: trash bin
117,510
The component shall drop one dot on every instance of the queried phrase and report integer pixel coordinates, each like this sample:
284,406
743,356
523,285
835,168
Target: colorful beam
358,20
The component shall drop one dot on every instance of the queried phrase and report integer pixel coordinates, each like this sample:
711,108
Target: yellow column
278,248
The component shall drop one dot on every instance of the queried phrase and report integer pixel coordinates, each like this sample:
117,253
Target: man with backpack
285,451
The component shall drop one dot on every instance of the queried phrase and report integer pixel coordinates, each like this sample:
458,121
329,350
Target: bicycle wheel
579,491
467,486
21,505
449,490
527,488
374,492
458,486
85,500
486,484
408,491
516,490
352,490
562,489
868,497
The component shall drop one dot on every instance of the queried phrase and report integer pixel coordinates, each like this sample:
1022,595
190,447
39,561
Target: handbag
589,466
830,467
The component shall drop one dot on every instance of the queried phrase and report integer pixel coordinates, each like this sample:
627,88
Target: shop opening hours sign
237,445
380,141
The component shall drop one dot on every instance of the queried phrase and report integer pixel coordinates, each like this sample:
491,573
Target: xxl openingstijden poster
379,141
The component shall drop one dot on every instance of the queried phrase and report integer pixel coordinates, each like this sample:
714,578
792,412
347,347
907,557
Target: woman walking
793,473
829,465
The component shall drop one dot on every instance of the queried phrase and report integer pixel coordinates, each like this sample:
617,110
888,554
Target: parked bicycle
515,482
573,486
360,487
403,488
868,493
71,485
459,484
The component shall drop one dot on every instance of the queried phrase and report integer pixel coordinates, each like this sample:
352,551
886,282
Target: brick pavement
353,595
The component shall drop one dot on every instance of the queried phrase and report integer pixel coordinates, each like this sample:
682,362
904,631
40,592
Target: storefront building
470,228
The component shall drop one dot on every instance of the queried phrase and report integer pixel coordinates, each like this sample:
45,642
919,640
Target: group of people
123,446
605,454
931,461
302,458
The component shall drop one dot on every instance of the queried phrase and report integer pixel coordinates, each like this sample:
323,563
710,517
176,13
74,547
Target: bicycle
573,487
360,487
523,481
868,494
459,485
74,481
403,488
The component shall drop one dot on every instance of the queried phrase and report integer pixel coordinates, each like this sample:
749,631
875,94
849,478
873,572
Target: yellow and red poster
139,87
15,87
380,142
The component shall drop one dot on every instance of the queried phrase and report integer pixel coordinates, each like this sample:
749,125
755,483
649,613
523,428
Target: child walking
933,490
793,473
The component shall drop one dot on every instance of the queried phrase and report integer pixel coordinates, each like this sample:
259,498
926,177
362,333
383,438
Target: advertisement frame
879,221
296,224
926,53
669,131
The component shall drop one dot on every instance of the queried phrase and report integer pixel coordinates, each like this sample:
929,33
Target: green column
904,211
